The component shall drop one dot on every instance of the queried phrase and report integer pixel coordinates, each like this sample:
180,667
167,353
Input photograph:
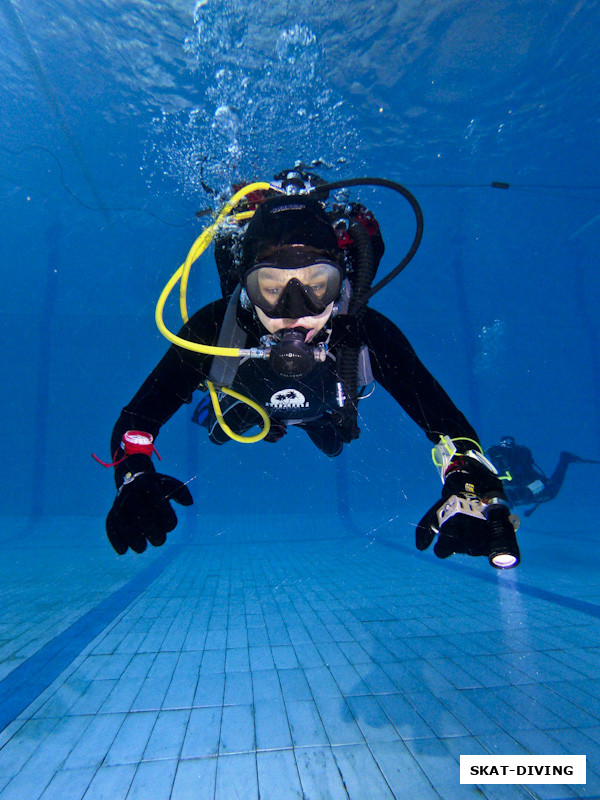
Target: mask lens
293,293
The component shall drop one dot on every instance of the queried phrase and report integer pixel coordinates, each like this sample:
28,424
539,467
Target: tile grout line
27,681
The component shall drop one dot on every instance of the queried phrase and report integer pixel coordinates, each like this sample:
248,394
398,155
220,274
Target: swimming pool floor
285,658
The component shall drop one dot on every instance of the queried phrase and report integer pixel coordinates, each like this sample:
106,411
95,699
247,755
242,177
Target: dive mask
283,289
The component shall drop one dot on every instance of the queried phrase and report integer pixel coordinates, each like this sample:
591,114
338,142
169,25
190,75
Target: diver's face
294,286
313,324
316,279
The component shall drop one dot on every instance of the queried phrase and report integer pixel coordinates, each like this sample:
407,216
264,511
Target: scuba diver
525,482
292,343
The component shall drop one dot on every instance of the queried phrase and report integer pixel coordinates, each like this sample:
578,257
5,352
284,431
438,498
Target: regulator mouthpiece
291,356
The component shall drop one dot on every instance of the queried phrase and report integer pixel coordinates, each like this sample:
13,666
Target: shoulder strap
224,368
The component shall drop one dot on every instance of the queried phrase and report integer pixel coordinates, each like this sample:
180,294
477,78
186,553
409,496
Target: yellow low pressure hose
219,414
182,276
206,237
196,250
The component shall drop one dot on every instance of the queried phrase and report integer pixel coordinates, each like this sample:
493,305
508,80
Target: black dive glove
142,510
472,517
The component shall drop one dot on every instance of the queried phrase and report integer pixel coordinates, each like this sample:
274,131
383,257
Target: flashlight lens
503,550
504,561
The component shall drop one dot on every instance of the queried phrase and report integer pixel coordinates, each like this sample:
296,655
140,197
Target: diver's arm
172,382
472,516
142,510
398,369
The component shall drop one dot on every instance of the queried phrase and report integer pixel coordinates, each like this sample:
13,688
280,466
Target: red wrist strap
133,442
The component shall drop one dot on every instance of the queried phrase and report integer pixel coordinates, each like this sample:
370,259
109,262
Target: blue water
288,641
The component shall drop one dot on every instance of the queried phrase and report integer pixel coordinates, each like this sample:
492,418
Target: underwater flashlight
503,548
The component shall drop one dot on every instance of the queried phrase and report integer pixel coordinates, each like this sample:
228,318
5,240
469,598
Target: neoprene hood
286,220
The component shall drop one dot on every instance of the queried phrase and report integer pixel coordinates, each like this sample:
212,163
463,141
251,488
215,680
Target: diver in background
294,274
525,482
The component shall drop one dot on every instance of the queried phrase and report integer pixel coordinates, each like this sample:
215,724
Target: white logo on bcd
287,398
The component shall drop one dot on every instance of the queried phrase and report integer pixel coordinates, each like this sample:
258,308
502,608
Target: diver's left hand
142,510
472,516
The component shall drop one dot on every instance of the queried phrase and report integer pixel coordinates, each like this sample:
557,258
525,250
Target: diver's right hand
142,511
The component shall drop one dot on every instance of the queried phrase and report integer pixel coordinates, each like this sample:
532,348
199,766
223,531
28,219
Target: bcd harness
358,375
356,229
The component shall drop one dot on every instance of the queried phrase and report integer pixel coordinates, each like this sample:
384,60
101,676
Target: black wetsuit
394,363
